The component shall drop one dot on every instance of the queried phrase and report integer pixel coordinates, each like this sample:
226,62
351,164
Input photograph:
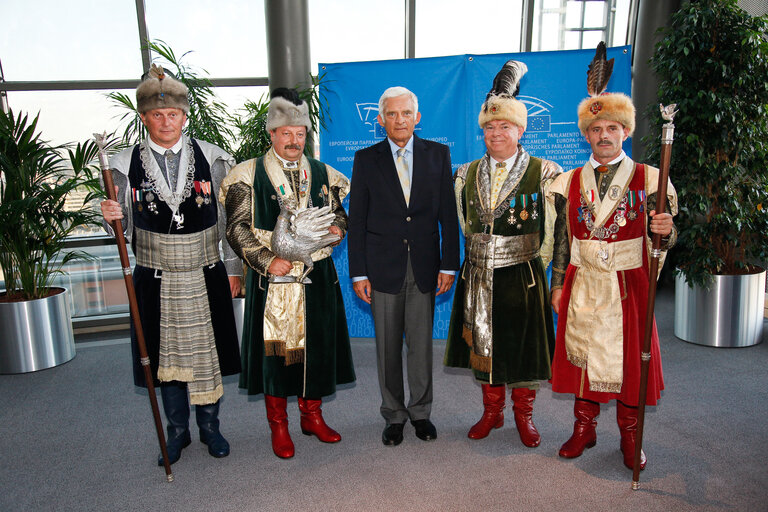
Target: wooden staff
117,226
667,136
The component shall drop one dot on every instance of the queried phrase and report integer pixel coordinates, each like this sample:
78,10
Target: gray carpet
80,437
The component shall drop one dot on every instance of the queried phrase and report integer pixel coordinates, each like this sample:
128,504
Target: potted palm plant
35,180
713,62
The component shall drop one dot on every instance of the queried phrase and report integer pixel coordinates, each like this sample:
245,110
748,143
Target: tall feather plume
507,81
599,72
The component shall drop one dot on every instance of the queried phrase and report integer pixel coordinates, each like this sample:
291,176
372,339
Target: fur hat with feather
159,89
500,102
600,104
287,109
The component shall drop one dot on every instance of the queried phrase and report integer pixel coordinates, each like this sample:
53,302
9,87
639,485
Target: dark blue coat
382,229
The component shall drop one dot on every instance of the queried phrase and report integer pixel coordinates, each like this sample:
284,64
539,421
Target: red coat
633,287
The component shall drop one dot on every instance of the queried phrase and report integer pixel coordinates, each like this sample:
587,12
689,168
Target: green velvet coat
523,330
328,356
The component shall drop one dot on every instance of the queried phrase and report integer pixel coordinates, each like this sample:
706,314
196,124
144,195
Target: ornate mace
117,226
667,136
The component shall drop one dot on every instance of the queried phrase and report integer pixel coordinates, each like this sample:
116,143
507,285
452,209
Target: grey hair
394,92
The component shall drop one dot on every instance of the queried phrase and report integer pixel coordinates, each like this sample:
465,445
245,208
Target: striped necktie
402,172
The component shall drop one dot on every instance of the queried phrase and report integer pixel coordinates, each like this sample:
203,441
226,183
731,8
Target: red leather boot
626,417
278,423
312,421
584,435
522,406
493,411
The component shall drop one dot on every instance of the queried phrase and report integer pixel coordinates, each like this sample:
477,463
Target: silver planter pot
728,314
36,334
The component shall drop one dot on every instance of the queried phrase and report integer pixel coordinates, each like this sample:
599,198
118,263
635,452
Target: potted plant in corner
35,180
713,62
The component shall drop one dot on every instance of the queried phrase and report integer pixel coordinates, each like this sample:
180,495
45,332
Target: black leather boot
208,423
176,407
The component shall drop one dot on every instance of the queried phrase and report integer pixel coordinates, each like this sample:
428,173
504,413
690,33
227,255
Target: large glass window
576,24
226,38
455,27
72,40
68,116
348,31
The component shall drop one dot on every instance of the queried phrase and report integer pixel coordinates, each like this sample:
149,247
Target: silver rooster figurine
298,234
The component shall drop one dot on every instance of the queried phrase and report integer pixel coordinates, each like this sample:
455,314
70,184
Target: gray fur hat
287,109
160,90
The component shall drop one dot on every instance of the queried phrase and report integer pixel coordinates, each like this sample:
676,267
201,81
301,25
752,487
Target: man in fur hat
605,211
295,339
166,190
501,324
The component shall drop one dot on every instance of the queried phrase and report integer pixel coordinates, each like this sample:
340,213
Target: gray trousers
408,312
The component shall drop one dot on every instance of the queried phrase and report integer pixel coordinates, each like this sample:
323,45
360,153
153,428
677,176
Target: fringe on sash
277,348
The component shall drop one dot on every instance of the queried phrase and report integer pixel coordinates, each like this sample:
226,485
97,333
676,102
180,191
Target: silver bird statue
300,233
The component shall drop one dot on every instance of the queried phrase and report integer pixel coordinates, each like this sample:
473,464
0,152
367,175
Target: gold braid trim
605,387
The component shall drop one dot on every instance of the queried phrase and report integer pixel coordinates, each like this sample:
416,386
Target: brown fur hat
287,109
160,90
499,107
611,106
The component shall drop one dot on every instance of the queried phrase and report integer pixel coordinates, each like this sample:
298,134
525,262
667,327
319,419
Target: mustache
292,146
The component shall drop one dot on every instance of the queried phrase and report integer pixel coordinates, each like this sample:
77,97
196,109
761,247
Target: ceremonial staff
117,226
667,136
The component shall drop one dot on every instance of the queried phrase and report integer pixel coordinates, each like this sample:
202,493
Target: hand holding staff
667,136
117,226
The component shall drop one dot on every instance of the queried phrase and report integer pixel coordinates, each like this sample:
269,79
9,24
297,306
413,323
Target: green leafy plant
34,223
713,62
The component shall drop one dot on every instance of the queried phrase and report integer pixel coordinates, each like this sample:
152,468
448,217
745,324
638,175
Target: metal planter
36,334
728,314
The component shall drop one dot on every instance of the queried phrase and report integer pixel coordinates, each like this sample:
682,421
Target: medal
632,214
139,207
150,196
621,221
198,198
524,212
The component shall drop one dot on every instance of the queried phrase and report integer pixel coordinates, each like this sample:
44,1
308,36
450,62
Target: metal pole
410,29
146,58
288,43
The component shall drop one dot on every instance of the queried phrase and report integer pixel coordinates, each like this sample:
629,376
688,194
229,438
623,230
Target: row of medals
619,219
146,193
524,212
488,218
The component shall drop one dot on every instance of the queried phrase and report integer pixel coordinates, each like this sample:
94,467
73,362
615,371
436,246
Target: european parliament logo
539,119
367,113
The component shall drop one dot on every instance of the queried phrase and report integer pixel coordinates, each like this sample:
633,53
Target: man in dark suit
401,207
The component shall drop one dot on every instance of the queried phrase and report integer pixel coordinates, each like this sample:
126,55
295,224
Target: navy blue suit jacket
382,229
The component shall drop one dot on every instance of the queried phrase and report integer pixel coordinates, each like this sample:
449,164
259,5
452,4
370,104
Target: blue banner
451,91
